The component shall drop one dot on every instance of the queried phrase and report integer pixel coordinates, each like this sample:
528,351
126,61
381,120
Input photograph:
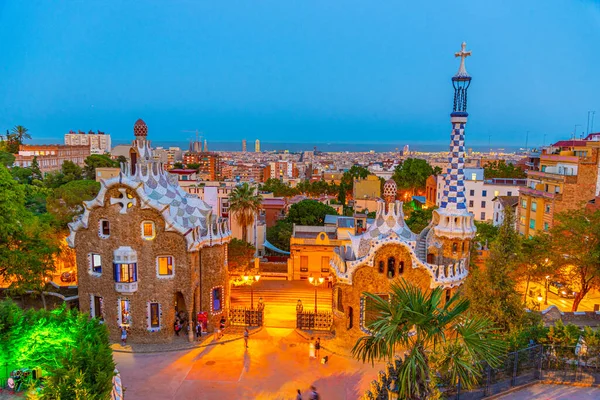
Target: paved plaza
273,367
554,392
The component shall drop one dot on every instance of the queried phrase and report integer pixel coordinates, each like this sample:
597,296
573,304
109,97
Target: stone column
191,325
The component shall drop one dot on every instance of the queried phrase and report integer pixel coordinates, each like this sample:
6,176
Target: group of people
314,349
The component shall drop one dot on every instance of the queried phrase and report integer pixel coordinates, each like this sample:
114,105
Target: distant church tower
453,225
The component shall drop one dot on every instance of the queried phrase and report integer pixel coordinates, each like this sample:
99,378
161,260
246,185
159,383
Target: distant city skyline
341,72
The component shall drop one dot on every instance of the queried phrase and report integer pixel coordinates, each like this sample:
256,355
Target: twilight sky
299,71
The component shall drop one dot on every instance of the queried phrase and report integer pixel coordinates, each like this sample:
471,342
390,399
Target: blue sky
299,71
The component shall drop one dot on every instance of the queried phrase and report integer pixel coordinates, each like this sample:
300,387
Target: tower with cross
453,225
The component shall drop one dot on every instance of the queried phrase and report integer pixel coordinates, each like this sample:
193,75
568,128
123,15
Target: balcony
539,193
126,287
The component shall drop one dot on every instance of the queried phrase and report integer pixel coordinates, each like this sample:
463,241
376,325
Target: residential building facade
51,157
99,142
567,180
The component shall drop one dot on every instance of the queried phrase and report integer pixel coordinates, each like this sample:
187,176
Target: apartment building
283,170
567,180
51,157
480,192
99,142
209,168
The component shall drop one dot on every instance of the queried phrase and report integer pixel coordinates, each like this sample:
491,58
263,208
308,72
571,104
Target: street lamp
316,283
539,299
249,280
546,297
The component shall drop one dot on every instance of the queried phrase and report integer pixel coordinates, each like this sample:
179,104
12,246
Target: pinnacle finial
463,53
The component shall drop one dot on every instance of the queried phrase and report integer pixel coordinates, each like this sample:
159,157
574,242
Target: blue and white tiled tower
452,220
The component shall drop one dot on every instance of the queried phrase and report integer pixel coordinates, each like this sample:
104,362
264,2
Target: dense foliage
412,174
240,253
244,204
417,322
499,169
72,350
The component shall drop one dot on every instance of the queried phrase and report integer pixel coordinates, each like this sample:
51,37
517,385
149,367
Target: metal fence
319,321
517,369
571,364
242,316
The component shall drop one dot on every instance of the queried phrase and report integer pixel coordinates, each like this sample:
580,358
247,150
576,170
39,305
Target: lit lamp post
539,299
546,297
316,283
250,280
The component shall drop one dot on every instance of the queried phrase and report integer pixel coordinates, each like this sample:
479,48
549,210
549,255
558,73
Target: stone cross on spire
463,53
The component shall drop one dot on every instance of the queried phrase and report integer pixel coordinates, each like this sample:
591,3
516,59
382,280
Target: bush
72,351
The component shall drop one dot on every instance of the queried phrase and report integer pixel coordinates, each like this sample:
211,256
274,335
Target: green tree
486,234
280,189
240,253
26,241
72,350
244,203
66,201
97,161
412,174
575,248
534,264
279,235
309,212
492,291
36,173
121,160
21,175
10,143
419,219
499,169
21,133
7,159
420,323
178,165
71,171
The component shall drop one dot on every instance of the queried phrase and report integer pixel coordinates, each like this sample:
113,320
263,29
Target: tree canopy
26,240
244,203
240,253
412,174
97,161
66,201
309,212
499,169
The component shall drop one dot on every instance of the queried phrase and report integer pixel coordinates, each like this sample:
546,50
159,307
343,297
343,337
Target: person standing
330,281
311,350
299,395
221,326
246,335
198,330
123,336
318,348
313,393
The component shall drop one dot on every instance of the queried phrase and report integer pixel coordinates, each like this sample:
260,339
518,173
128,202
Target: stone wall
213,274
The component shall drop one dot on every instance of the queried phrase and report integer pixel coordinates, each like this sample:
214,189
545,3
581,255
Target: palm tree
21,133
244,203
437,339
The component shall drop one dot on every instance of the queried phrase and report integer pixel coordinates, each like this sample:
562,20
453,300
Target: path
274,366
553,392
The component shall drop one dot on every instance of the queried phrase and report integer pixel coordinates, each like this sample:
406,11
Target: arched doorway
181,313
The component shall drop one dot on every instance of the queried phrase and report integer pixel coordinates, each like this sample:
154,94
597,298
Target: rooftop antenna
591,123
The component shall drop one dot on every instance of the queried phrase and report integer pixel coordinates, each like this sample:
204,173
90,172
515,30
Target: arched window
454,247
381,267
401,268
391,267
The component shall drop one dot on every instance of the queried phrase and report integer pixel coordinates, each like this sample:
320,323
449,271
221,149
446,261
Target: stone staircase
421,248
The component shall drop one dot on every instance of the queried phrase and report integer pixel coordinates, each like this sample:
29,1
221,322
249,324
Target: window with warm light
154,315
165,265
124,312
148,231
125,273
